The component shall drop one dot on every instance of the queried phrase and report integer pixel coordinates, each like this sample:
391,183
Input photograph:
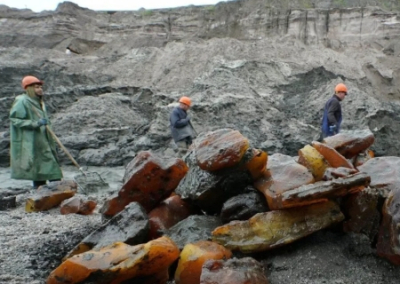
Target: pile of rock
188,219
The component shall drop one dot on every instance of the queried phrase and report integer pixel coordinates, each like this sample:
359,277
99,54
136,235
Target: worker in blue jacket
181,128
332,118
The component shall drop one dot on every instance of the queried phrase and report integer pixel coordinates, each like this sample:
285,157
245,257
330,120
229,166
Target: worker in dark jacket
32,150
181,128
332,118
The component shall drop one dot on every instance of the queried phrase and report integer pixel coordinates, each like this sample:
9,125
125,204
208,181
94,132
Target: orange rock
334,159
269,230
168,213
350,143
257,164
50,196
388,245
77,205
334,173
283,174
314,161
87,207
117,263
220,149
148,180
233,271
70,205
322,191
193,257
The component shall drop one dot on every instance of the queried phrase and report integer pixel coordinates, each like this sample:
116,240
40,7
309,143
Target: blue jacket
332,116
180,125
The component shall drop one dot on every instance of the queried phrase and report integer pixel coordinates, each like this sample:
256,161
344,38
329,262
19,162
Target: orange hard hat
341,88
185,100
29,80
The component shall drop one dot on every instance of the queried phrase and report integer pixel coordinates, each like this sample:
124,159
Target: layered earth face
264,70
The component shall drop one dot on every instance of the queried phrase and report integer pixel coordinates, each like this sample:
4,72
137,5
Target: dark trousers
37,183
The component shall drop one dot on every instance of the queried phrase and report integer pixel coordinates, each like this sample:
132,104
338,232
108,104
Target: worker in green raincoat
32,150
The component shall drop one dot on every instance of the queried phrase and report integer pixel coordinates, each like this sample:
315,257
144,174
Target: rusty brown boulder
223,148
388,245
283,174
51,195
351,143
322,191
117,263
148,180
171,211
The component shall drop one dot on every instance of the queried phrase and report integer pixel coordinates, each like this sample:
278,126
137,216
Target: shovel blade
90,182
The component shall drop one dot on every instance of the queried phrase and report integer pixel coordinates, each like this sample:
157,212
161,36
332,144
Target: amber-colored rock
384,172
87,207
314,161
257,163
148,180
334,173
332,156
363,215
233,271
70,205
223,148
193,257
322,191
77,205
283,174
388,245
268,230
51,195
117,263
350,143
168,213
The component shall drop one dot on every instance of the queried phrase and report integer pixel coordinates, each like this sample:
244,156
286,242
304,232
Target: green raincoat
32,150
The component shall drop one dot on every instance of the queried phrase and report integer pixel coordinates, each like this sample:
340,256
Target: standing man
181,128
333,112
32,149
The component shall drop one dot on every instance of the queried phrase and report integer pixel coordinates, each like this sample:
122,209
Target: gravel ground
32,244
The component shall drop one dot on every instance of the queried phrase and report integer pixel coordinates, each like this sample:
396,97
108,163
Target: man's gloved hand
42,121
332,129
188,118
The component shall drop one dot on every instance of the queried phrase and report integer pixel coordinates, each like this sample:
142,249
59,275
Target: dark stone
243,206
8,202
193,229
130,226
208,190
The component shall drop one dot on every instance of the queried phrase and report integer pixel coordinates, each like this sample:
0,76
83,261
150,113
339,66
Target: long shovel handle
63,147
195,132
59,143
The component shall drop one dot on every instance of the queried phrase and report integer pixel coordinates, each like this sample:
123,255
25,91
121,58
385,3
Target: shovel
87,181
194,131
